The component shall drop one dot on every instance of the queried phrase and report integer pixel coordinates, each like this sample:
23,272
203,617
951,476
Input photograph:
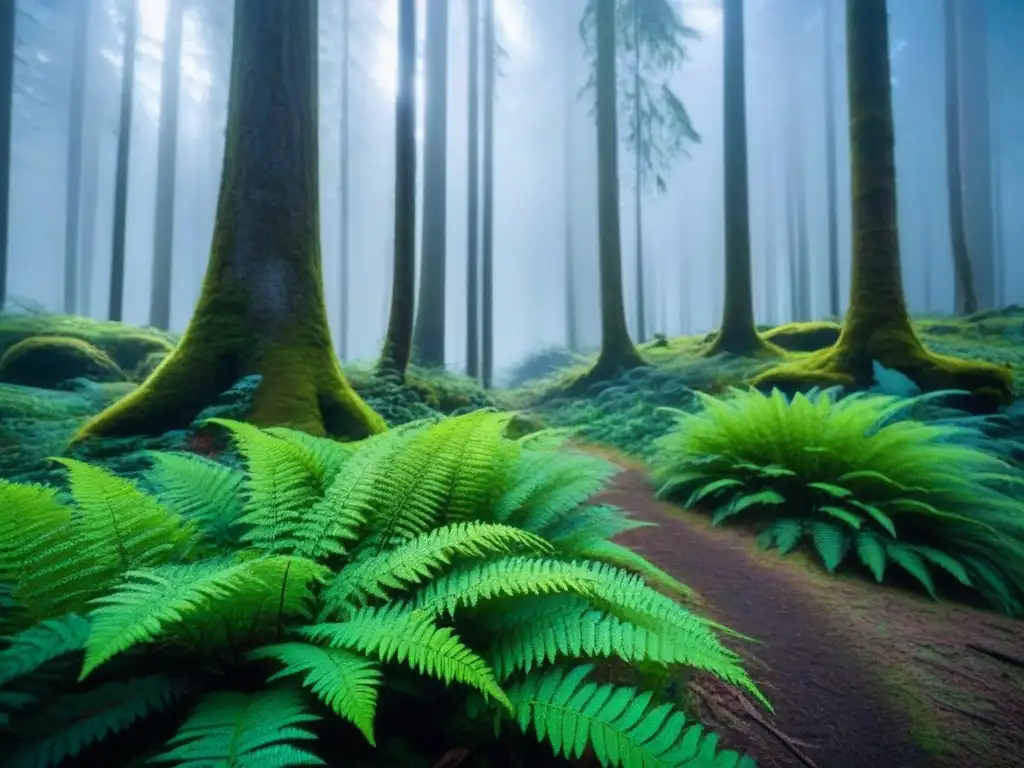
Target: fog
539,193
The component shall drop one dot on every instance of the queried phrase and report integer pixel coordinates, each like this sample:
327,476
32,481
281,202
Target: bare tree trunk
73,183
429,335
394,357
167,168
87,241
343,213
572,340
487,223
641,313
124,141
965,297
472,206
7,16
832,194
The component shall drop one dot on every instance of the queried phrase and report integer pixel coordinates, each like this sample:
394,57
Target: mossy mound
126,345
49,361
803,337
543,363
149,364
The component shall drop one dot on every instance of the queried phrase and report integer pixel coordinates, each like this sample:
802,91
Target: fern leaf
625,558
841,513
871,552
711,489
199,489
784,534
73,722
482,453
591,523
419,558
911,562
239,730
740,503
947,563
345,681
329,454
831,489
32,648
410,636
569,712
877,515
832,543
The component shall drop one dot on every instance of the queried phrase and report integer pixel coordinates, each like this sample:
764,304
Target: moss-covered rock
149,364
126,345
48,361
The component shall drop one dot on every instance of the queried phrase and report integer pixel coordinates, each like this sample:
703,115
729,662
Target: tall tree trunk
877,326
7,16
73,168
792,237
572,340
798,185
343,182
473,202
487,203
737,334
771,254
261,310
394,357
124,143
641,313
429,336
167,168
998,221
975,146
964,293
831,175
87,240
617,350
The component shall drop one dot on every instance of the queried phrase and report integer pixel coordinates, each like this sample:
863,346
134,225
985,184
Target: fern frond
73,722
569,712
239,730
588,524
345,681
625,558
420,558
33,647
330,454
201,490
397,632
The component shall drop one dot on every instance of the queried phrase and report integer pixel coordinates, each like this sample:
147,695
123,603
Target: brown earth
860,675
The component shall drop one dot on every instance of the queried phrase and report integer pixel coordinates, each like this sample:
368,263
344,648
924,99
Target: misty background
541,194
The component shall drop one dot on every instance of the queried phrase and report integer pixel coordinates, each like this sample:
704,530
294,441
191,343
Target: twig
998,655
965,712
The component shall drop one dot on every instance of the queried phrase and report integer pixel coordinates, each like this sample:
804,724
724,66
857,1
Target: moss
804,337
48,361
149,364
126,345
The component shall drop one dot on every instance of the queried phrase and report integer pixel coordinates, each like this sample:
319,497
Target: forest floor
858,674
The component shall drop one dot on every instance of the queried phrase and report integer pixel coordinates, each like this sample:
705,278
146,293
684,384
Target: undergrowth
855,474
232,614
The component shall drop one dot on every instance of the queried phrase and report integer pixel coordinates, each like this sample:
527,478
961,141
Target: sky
539,196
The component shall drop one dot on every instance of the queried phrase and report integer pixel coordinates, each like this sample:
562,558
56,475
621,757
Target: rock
48,361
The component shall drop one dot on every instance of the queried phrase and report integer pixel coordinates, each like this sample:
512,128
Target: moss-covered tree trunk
261,310
877,325
394,357
428,335
617,349
737,334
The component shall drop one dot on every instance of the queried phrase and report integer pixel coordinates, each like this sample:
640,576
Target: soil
859,674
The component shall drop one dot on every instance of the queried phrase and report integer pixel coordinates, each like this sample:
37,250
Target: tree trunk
572,340
738,334
771,265
617,350
473,187
975,147
792,238
998,222
87,240
966,299
487,204
641,309
429,339
261,310
343,213
166,171
124,142
7,16
394,357
73,181
831,175
877,325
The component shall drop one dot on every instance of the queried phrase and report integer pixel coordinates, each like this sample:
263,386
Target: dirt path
860,676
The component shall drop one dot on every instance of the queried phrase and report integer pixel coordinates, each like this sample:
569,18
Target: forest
495,383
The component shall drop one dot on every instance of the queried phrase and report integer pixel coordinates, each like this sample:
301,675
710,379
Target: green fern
33,647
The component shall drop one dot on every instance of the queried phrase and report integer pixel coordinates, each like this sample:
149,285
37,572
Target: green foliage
855,476
314,577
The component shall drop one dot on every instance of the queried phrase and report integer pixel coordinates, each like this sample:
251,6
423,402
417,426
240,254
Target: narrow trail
828,650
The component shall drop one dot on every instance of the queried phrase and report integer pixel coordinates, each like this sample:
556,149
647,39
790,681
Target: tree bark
487,204
966,298
124,143
167,169
343,183
638,208
571,324
617,350
261,310
737,334
429,336
831,175
7,16
73,181
394,357
473,201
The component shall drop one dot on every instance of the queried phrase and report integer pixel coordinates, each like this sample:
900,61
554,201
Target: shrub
245,604
852,474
